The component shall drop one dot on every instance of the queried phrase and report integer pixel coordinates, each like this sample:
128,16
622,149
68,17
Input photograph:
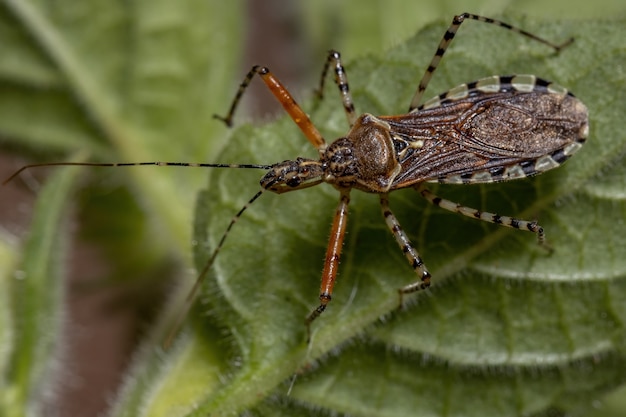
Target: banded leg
407,248
485,216
341,79
283,96
331,261
447,39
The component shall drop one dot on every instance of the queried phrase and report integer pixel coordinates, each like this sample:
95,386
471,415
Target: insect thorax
365,159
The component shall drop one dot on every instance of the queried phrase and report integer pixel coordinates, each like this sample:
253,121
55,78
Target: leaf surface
506,329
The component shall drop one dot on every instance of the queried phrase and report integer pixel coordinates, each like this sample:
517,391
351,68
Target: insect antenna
203,273
205,270
127,164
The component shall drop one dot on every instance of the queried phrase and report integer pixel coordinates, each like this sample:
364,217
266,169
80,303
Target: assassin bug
494,129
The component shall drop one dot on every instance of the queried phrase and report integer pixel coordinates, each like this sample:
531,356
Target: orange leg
331,262
285,99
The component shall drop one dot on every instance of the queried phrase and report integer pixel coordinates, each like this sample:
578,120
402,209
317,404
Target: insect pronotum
495,129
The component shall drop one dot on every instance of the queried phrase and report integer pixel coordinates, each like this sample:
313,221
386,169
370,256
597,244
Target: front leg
341,80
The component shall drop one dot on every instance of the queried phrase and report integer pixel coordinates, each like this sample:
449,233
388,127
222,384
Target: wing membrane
476,138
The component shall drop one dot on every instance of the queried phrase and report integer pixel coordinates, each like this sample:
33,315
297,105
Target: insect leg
341,79
485,216
447,39
331,261
407,248
283,96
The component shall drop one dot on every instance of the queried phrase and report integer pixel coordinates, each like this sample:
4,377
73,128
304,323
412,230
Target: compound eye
293,182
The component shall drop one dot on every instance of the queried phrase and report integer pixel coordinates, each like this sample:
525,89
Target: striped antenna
205,270
202,275
128,164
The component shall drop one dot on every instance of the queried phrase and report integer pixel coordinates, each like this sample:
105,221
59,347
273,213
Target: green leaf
36,301
507,329
124,82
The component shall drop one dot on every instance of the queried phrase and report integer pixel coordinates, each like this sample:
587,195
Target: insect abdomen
495,129
516,135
